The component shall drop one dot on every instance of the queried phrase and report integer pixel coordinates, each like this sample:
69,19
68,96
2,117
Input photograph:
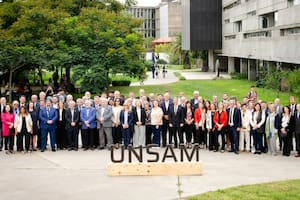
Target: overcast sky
147,2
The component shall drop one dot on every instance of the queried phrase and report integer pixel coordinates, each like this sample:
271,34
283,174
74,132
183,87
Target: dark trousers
1,137
88,137
11,140
148,134
73,137
264,143
44,132
126,136
287,144
200,136
156,134
216,139
280,139
210,140
257,139
173,134
117,135
297,136
39,139
180,135
234,138
61,135
20,138
188,129
6,140
165,129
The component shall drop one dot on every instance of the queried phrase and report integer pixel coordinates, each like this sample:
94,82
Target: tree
177,46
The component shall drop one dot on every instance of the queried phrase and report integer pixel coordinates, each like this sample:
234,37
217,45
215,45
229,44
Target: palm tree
184,54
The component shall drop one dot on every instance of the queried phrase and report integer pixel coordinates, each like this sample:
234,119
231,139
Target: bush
238,76
148,65
120,81
178,75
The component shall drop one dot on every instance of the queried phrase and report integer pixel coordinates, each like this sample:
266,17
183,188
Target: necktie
72,113
87,112
231,115
48,112
175,110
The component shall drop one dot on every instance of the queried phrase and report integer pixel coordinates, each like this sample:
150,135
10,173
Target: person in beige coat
23,128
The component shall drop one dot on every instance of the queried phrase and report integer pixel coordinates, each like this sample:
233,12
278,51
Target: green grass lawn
283,190
208,88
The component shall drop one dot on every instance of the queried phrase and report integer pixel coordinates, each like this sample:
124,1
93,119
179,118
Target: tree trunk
41,78
9,85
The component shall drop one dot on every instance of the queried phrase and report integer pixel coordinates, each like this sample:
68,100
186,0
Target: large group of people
110,121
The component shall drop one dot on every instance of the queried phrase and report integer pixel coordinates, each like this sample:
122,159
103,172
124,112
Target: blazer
63,114
297,123
6,118
91,118
43,116
164,108
107,115
223,118
176,118
143,116
76,118
19,121
184,110
198,117
237,121
129,119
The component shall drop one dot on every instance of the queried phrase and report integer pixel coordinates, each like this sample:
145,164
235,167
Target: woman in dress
116,129
156,122
7,118
139,120
188,114
286,133
35,129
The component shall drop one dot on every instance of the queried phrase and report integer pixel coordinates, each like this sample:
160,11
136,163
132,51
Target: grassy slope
284,190
208,88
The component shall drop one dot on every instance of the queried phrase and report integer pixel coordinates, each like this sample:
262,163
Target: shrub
120,81
178,75
162,62
238,76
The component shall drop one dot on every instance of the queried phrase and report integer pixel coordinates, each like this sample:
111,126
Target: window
229,6
294,2
251,13
269,20
227,21
237,26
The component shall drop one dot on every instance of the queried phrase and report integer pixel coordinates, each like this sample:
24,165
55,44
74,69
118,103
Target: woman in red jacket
220,121
8,128
199,116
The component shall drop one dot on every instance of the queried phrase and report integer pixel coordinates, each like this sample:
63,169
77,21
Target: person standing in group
199,134
165,106
72,116
2,109
209,124
157,115
176,123
147,109
126,119
252,95
258,127
139,120
35,125
88,128
8,131
297,130
48,118
116,129
61,133
188,115
245,129
104,123
286,134
234,125
220,121
23,127
271,129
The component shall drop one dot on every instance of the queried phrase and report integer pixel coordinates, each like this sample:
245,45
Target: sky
146,2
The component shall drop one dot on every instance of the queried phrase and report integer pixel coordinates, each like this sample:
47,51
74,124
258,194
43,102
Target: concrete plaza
82,175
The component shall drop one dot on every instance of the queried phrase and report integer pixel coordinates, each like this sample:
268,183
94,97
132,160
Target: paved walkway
171,78
82,175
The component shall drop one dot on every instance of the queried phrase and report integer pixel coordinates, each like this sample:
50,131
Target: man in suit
194,101
165,106
234,124
2,108
293,107
88,125
48,117
72,125
278,109
176,122
297,130
104,123
22,100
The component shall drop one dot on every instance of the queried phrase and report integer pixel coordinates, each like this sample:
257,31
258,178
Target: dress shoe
231,151
236,152
53,150
42,150
297,156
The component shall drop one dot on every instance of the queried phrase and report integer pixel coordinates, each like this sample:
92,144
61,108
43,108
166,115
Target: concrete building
259,34
149,16
170,18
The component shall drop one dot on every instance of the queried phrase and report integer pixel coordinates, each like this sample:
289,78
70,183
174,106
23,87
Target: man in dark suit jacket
176,122
72,125
48,117
297,130
165,106
234,124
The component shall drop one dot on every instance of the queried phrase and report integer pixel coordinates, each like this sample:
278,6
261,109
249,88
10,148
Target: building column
243,66
230,65
211,61
251,70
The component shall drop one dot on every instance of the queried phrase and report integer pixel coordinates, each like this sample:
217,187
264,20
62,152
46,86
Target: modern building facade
258,34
